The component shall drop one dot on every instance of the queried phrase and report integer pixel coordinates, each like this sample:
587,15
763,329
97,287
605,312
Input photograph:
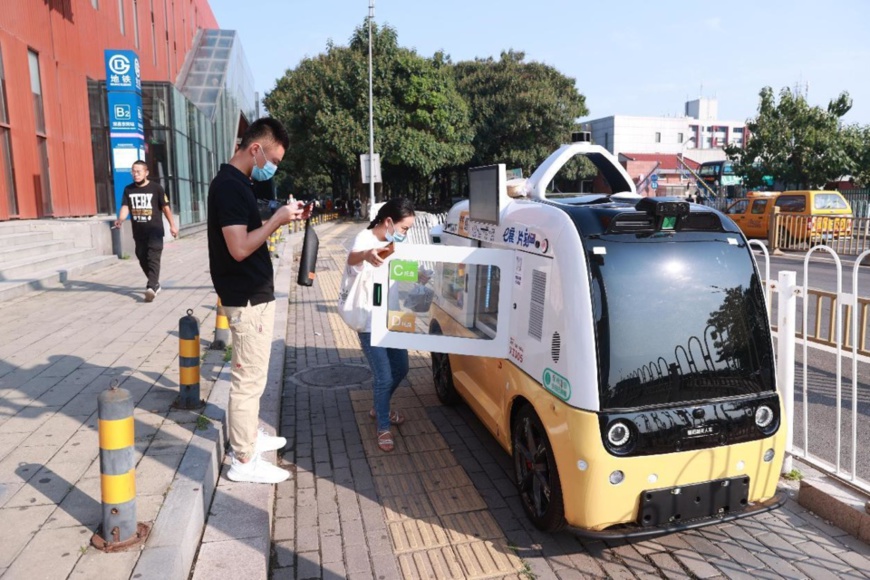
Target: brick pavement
61,348
443,504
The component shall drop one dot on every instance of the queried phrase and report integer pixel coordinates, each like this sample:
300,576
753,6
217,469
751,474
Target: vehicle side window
792,203
829,201
739,207
759,205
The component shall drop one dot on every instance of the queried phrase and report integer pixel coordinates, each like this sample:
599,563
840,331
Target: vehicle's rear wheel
535,472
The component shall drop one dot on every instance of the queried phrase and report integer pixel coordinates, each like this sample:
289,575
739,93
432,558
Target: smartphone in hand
386,250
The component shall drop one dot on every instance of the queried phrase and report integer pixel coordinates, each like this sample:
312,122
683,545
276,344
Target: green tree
421,121
520,111
801,146
857,143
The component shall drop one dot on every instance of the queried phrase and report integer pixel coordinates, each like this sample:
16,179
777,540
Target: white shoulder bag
355,299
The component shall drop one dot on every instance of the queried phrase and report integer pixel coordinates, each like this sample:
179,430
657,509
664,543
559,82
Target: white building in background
699,135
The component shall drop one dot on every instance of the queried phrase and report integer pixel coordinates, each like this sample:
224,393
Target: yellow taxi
807,215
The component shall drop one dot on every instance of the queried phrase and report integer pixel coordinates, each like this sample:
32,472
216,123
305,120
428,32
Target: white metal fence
423,222
845,340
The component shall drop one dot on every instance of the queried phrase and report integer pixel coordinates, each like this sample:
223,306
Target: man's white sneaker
257,470
150,294
266,442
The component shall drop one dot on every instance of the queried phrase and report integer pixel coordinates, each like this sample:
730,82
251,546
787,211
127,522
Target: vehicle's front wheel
442,376
535,472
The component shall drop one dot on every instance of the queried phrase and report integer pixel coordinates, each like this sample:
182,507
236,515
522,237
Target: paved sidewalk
443,504
63,347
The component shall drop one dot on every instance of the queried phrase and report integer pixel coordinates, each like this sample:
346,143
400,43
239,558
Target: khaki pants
251,328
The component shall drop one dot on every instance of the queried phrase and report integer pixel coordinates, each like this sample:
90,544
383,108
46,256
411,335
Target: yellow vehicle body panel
590,500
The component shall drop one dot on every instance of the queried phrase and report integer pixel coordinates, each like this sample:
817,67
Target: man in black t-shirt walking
241,270
146,203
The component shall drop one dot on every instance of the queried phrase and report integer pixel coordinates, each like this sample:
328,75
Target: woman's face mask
394,236
266,172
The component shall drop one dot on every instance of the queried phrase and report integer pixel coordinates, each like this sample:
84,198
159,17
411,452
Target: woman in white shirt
389,366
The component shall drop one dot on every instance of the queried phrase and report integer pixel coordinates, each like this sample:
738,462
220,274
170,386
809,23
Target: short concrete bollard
188,362
117,473
221,328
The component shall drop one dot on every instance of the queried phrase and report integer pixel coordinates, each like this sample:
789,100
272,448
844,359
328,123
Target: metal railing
845,235
423,222
838,320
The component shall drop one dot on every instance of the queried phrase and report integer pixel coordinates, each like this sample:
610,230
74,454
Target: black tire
535,472
442,376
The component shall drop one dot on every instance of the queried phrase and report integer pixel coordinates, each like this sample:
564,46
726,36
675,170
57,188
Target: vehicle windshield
680,317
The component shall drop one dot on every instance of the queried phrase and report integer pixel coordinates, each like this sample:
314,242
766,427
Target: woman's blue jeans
389,367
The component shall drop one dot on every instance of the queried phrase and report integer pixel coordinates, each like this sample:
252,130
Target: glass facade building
189,130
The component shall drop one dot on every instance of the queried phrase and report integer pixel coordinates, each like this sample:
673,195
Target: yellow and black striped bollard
188,362
117,472
221,328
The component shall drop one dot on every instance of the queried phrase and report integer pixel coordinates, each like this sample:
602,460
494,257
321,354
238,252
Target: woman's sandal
396,418
385,441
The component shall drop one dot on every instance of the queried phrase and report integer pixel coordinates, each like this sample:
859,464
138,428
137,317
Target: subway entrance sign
126,126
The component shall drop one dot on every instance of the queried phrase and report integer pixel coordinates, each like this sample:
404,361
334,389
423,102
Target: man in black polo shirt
146,203
241,270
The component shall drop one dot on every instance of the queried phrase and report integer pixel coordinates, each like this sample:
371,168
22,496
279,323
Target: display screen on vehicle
679,317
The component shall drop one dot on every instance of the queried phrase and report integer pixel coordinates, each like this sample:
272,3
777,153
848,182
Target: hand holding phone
386,250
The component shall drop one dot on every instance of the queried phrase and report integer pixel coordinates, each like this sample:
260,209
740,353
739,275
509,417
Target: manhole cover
334,375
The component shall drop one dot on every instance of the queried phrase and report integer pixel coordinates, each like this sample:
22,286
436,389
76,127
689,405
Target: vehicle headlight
618,434
763,416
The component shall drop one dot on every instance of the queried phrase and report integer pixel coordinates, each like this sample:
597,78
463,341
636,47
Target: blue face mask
265,172
395,236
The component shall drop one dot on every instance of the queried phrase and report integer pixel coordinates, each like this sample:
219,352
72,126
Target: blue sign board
125,114
122,71
126,124
654,177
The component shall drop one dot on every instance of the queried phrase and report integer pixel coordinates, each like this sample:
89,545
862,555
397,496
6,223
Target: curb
174,539
841,505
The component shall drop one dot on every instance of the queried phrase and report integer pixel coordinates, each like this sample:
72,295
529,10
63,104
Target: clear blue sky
633,57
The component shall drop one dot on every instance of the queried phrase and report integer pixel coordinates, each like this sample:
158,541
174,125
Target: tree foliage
801,146
520,111
857,144
433,119
422,123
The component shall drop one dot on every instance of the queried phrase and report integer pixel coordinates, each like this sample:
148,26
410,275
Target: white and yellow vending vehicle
618,347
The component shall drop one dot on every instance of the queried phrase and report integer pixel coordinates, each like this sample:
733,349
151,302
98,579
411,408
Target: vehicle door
737,212
449,299
757,219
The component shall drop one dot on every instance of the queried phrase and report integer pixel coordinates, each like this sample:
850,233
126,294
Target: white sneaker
257,470
150,294
266,442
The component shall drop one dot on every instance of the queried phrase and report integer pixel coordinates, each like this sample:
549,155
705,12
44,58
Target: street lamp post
371,120
683,155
